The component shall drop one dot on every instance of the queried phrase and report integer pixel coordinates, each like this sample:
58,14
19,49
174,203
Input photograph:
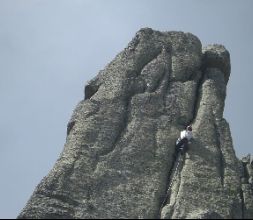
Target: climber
185,137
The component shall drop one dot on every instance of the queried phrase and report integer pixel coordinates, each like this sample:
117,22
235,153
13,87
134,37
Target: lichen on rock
119,158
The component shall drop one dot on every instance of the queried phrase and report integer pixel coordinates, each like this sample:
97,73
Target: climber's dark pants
182,146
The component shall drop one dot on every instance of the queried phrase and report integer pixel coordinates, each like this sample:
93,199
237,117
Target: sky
49,49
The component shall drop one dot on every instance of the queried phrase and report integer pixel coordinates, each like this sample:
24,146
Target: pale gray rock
119,158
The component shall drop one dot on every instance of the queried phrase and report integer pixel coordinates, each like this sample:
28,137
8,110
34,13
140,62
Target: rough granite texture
118,158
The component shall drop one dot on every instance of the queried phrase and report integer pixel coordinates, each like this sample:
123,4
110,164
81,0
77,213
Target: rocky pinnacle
119,159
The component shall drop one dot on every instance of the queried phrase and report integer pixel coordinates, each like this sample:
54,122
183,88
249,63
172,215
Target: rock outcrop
119,158
247,186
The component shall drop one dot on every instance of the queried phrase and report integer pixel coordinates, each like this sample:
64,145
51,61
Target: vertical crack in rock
198,95
245,170
179,179
242,204
210,92
171,178
246,193
70,126
221,157
174,176
164,86
175,171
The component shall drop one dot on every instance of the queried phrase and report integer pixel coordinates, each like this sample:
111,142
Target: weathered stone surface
118,160
247,186
216,56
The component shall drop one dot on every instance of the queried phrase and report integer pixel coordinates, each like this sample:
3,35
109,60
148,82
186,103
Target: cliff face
118,158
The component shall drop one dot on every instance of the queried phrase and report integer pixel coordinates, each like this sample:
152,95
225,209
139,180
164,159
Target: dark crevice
165,89
245,173
166,83
90,90
221,157
243,204
179,173
70,126
198,97
171,178
142,67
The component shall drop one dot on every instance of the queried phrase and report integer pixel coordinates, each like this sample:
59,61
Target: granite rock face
247,186
119,159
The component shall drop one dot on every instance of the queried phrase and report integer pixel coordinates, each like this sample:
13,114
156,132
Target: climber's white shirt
186,134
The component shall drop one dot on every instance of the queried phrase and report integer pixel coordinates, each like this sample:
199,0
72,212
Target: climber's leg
184,147
180,145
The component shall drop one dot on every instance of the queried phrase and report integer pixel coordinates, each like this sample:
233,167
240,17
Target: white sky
50,48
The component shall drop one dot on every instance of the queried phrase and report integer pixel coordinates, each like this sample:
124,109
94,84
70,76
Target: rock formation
118,158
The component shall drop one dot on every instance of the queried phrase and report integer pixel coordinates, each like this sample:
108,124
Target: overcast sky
50,48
